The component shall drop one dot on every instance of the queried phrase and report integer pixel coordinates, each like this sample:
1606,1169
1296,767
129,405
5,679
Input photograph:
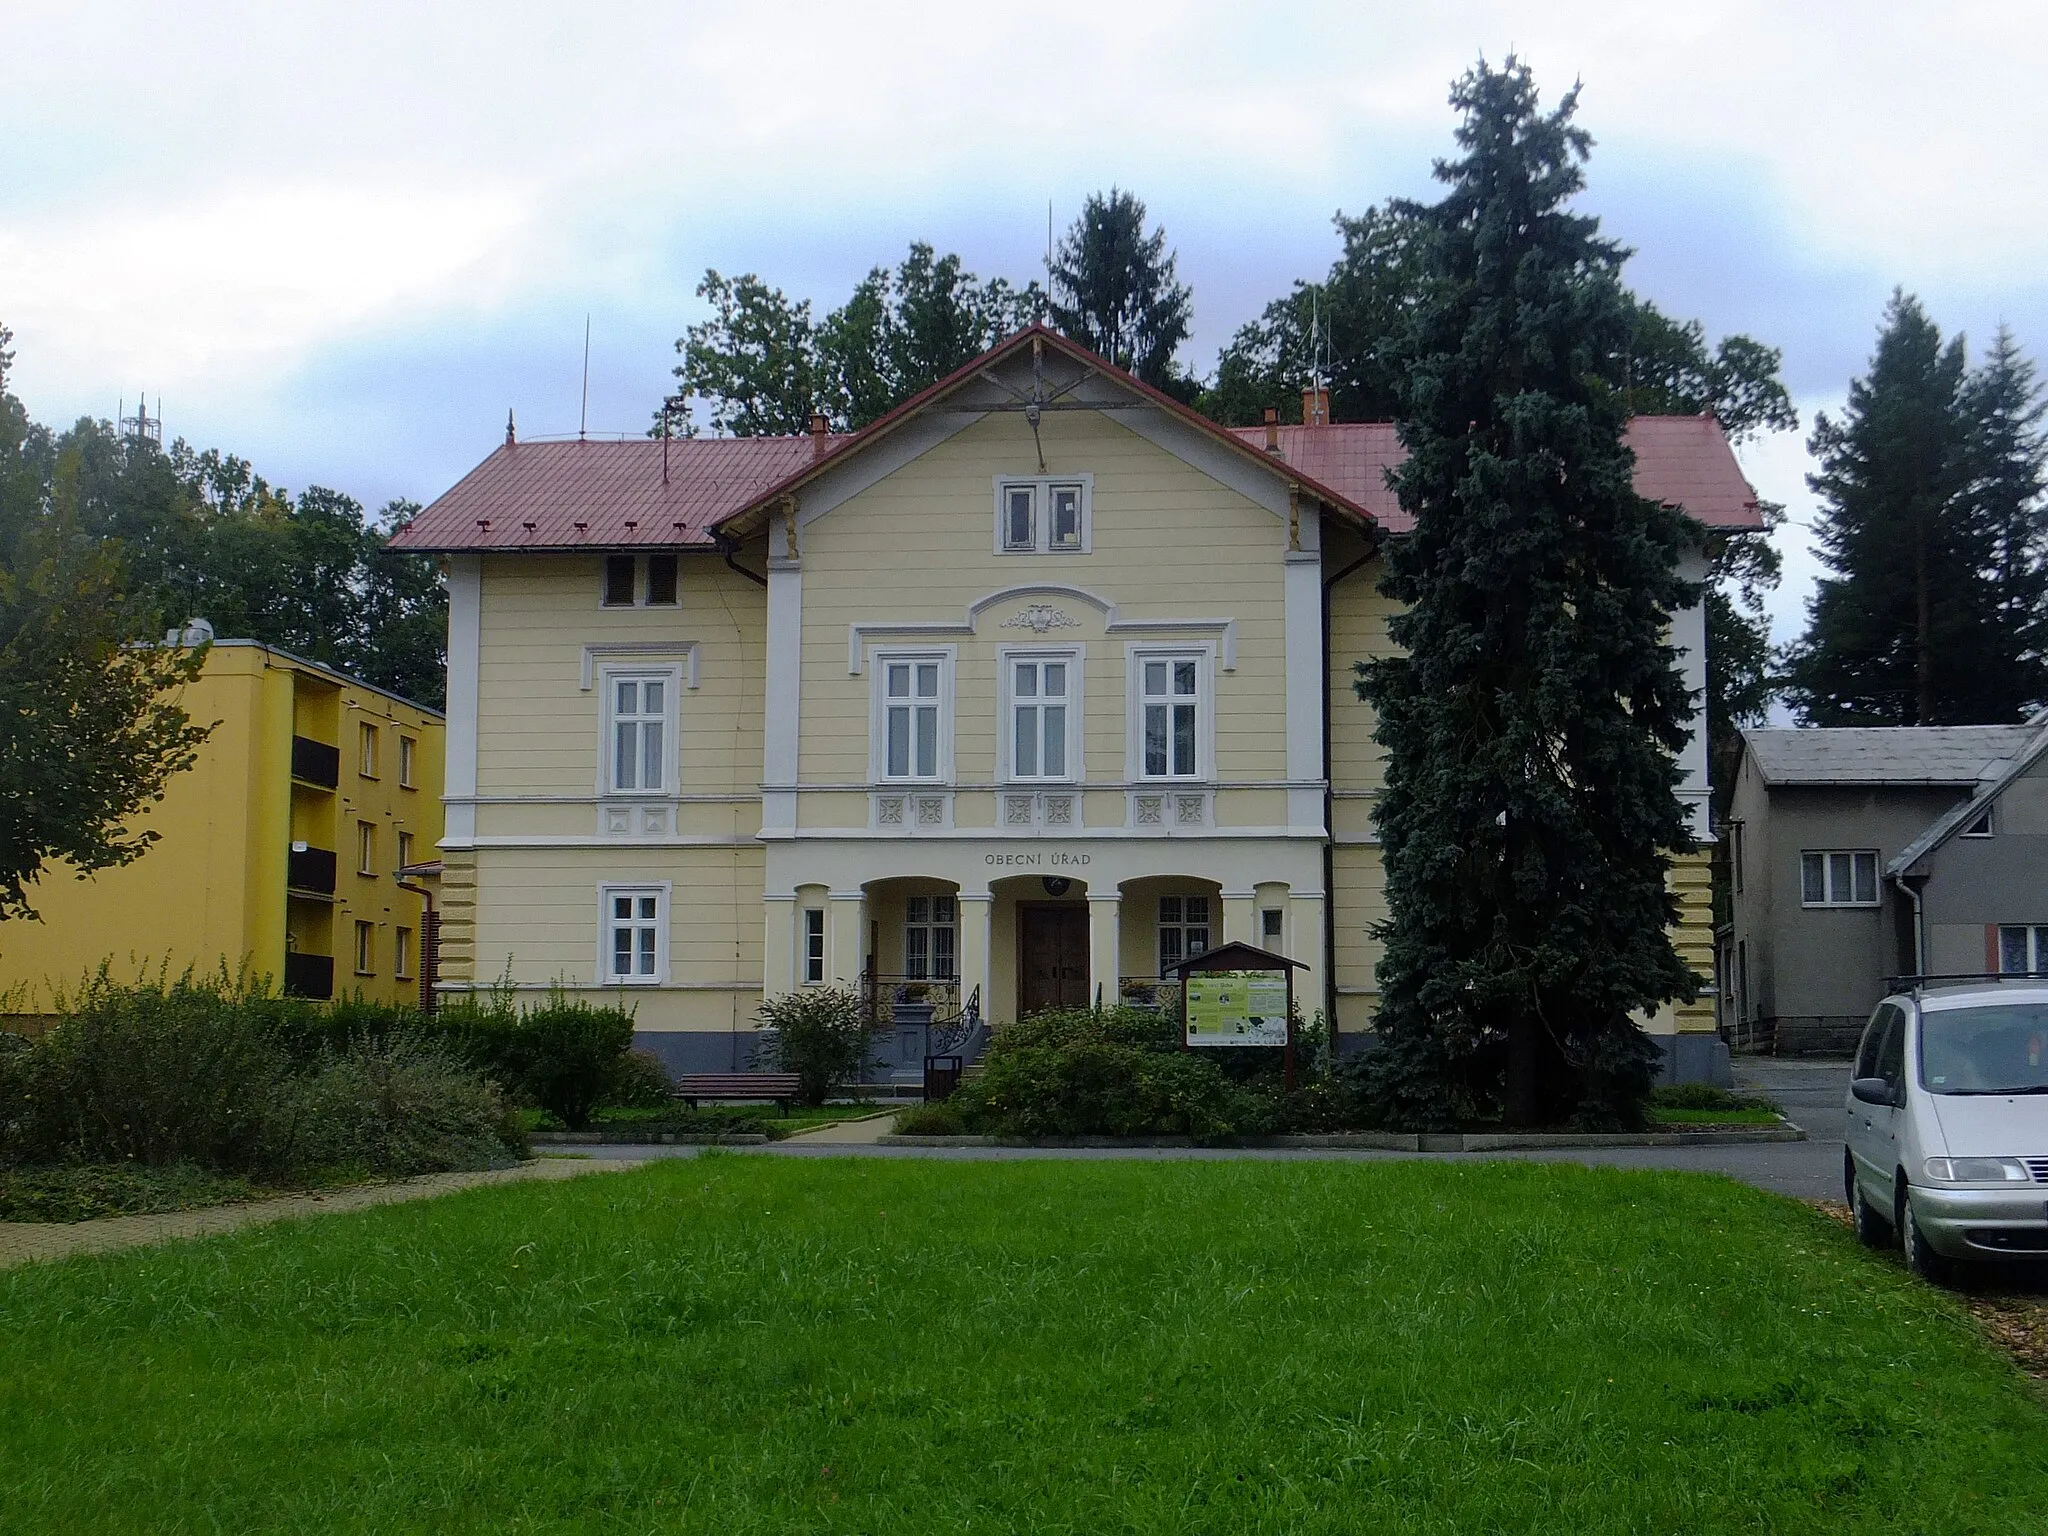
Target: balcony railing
309,976
914,997
1149,992
310,869
314,762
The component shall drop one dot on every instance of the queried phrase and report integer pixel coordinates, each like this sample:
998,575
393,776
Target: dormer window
1044,515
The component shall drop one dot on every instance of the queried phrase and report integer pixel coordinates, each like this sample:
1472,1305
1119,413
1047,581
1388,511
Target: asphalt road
1809,1092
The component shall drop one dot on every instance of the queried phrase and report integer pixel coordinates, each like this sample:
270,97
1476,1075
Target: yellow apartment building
1012,699
279,849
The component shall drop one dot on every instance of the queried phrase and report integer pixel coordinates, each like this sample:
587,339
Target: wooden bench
776,1087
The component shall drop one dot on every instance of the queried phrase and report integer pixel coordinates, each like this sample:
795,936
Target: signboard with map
1235,1007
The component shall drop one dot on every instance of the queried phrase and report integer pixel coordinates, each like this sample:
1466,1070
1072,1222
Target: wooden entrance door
1052,957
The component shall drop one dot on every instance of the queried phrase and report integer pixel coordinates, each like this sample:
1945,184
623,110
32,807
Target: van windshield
2000,1048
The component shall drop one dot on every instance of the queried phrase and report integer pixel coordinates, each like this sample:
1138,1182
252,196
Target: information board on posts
1236,1007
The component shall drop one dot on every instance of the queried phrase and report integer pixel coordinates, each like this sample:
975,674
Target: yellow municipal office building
1012,699
278,854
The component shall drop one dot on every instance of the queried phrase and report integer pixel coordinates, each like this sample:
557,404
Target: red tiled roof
1682,461
605,494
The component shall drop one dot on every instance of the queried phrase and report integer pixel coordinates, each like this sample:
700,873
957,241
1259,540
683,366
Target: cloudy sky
341,240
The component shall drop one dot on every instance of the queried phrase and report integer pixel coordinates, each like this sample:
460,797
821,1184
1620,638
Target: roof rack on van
1916,983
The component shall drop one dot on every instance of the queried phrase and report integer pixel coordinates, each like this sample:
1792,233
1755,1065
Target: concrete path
22,1242
846,1133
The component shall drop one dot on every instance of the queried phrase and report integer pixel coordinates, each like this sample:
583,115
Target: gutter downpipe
729,547
1912,894
1372,548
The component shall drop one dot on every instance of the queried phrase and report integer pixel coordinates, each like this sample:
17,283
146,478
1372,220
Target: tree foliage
1932,533
1114,290
90,731
761,366
1534,714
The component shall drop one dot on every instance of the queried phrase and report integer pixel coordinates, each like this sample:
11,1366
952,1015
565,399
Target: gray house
1859,854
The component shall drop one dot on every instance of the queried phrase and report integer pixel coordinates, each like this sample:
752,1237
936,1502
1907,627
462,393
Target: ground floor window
1183,929
929,937
2022,949
366,949
814,946
634,922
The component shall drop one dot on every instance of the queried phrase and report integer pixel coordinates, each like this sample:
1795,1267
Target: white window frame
1180,924
1983,819
401,954
1042,487
2036,941
408,761
1075,657
671,729
636,890
1831,899
1204,657
812,946
931,927
879,662
365,957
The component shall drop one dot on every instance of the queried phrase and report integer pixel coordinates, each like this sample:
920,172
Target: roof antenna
1045,298
583,415
664,442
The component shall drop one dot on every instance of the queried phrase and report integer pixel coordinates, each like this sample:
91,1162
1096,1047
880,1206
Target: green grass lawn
742,1344
1714,1116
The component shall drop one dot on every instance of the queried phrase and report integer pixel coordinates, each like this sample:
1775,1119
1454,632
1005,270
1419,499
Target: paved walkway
24,1241
847,1133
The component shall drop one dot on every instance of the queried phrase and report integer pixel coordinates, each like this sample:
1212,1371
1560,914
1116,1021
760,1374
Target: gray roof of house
2003,772
1954,755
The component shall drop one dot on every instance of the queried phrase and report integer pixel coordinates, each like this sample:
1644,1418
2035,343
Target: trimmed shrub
824,1035
930,1120
640,1082
396,1106
565,1056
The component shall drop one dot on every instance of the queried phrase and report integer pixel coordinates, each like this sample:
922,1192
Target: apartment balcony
310,871
315,763
309,976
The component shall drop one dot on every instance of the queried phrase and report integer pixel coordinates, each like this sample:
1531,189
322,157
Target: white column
845,938
977,909
465,636
1302,592
1305,917
779,739
1105,930
1689,636
1240,917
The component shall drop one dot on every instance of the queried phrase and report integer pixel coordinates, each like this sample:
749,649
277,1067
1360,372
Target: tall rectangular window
633,944
366,949
366,848
1838,878
618,581
1183,930
1170,704
1065,532
639,717
912,707
814,945
929,937
366,750
661,581
1020,517
405,847
1038,717
2022,949
401,953
1270,923
408,753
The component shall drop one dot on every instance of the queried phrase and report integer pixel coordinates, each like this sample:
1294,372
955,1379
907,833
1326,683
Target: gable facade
1016,699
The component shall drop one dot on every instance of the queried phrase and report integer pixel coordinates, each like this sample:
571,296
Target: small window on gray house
2023,949
1981,827
1830,878
661,581
618,581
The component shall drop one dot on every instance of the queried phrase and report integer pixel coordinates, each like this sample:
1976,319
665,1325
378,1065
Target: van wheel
1872,1230
1934,1268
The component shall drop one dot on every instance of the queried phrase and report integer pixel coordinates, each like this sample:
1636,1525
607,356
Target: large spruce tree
1532,721
1930,484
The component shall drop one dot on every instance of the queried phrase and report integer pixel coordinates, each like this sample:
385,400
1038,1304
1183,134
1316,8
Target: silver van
1948,1124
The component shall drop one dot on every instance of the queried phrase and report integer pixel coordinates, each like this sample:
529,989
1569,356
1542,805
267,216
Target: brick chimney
818,429
1315,406
1272,429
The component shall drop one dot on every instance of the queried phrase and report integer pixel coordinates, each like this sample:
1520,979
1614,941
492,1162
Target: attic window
1045,515
618,581
1981,827
661,581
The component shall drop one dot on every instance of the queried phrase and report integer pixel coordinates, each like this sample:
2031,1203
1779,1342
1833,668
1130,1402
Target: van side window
1891,1055
1873,1037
